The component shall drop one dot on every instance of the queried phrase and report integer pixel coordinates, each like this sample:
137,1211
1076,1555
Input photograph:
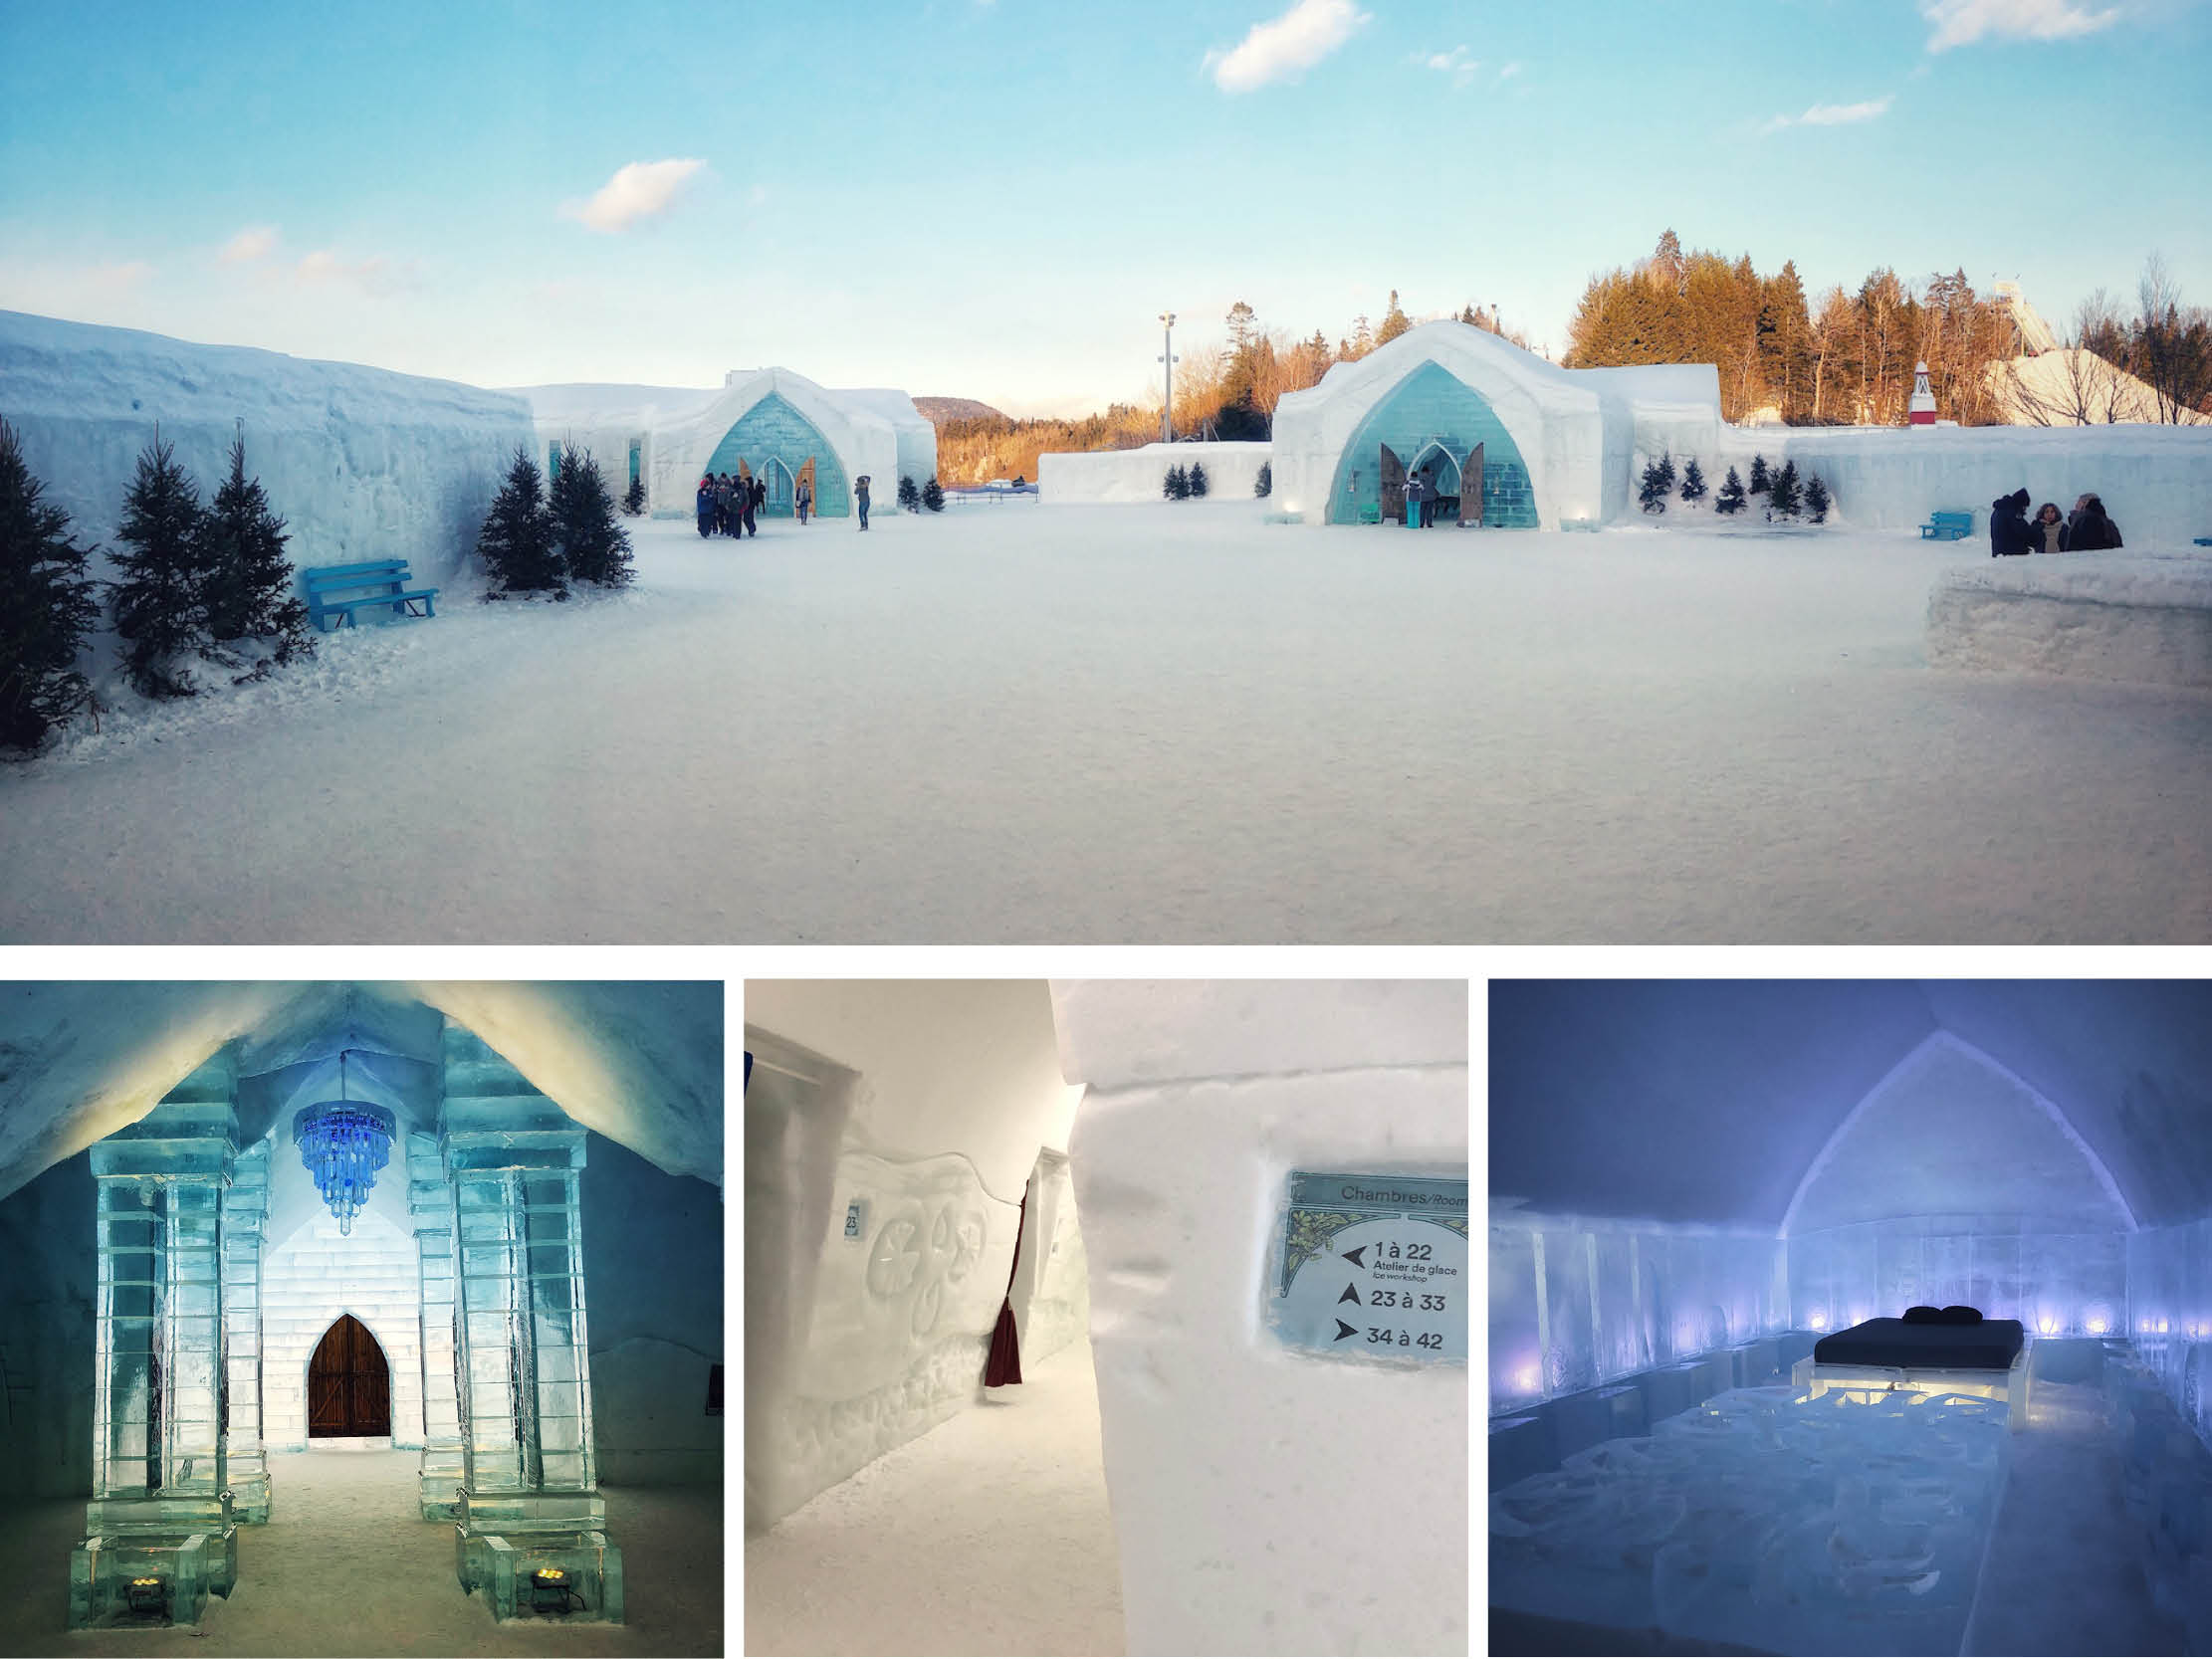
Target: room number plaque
1374,1265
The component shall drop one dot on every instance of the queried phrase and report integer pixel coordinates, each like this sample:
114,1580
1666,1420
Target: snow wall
1267,1498
1136,475
311,1278
360,463
47,1346
1050,1294
2100,616
890,1128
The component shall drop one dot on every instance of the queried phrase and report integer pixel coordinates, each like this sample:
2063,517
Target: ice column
159,1535
245,1455
531,1521
430,1201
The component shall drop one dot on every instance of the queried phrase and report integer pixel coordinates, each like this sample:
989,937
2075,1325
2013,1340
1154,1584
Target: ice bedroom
1849,1317
361,1318
1106,1316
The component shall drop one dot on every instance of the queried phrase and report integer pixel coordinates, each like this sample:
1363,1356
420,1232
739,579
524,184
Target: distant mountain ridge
943,409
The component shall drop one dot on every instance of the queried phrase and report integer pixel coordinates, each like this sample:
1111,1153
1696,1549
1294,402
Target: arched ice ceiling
638,1062
1711,1102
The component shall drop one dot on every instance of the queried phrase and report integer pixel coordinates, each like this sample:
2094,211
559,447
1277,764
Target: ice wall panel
47,1349
1051,1288
1223,1446
2054,1283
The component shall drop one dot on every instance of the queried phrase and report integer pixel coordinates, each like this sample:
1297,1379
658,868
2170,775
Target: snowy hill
2069,386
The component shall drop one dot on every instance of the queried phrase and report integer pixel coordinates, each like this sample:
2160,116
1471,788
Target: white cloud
1280,48
1834,115
1454,62
252,243
1963,22
641,190
1508,72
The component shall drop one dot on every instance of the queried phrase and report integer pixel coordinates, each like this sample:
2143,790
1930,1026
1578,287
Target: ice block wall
652,1258
2169,1315
890,1130
1575,1301
45,1332
1267,1498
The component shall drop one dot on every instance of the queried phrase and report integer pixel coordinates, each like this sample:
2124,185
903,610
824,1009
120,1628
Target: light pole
1167,356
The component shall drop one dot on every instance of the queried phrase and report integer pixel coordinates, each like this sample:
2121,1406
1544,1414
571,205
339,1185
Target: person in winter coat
2089,529
706,506
2008,526
722,504
2050,529
750,493
804,501
860,495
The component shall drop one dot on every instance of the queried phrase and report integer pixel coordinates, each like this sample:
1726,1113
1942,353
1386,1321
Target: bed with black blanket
1924,1345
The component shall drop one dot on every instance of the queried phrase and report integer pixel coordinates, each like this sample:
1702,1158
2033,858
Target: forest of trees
1228,391
1847,358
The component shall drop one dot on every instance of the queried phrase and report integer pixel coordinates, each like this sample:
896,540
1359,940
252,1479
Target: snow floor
347,1566
989,1534
1166,723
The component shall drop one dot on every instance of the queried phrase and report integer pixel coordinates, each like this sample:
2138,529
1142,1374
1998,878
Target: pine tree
1761,481
590,545
1264,485
1652,494
1177,484
1730,498
1195,483
910,497
517,542
1666,472
47,604
1784,499
933,495
1693,480
248,574
162,601
1395,321
1817,502
633,499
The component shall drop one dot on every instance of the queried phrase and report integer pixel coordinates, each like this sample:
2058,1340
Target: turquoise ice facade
1431,405
775,441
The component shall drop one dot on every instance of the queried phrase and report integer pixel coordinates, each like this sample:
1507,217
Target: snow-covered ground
1157,722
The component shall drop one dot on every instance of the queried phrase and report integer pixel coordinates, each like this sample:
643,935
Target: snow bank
2100,616
1267,1498
1135,474
362,463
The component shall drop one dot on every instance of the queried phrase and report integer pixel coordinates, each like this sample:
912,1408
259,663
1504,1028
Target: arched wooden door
1393,494
349,1383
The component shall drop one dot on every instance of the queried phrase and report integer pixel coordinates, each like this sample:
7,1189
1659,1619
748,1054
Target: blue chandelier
344,1143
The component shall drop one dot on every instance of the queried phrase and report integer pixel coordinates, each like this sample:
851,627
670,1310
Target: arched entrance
349,1383
1431,418
775,441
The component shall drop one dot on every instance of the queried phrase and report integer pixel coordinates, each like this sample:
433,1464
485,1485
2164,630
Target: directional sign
1374,1265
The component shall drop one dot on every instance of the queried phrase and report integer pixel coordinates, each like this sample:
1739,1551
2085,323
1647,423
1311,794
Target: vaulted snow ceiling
1794,1105
639,1063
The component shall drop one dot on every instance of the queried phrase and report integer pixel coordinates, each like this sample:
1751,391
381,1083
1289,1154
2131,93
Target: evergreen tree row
1182,484
1786,497
537,540
195,583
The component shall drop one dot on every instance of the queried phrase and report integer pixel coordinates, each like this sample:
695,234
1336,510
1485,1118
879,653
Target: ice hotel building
468,1236
1851,1318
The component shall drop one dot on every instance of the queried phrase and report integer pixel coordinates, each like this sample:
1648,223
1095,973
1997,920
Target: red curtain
1004,1364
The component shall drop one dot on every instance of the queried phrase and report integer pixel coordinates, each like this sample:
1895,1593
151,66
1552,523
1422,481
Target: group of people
2087,529
726,505
1421,493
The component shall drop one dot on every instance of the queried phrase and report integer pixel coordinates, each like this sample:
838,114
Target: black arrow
1342,1331
1350,1295
1353,1256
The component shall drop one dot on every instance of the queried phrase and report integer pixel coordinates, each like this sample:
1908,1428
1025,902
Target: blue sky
996,200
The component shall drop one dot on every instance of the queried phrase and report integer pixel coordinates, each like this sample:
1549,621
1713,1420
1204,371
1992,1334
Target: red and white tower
1921,410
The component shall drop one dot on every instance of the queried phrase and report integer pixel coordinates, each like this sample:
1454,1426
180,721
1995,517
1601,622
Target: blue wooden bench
2204,541
1947,527
342,590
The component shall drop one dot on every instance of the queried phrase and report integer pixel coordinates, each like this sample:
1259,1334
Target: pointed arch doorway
349,1383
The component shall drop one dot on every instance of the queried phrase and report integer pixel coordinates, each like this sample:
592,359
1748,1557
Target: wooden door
1471,490
349,1383
1393,487
806,483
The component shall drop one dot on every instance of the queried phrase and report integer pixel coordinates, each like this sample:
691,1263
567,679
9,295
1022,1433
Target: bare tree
2079,384
2173,346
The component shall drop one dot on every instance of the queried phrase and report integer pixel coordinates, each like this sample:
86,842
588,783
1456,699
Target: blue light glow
344,1143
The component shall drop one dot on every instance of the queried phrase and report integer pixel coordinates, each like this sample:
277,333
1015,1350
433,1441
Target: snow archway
1431,410
776,440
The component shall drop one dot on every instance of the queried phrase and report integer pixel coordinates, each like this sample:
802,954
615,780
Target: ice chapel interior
361,1318
1867,1317
1093,1317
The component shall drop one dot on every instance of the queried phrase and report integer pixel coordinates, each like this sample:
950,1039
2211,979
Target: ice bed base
2008,1386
